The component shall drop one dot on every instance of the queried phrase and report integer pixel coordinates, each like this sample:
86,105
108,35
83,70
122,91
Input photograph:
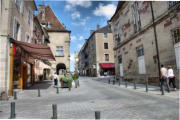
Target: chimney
41,10
91,32
98,26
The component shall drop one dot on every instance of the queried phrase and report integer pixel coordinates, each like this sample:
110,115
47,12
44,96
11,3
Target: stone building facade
59,39
134,38
16,21
97,53
76,60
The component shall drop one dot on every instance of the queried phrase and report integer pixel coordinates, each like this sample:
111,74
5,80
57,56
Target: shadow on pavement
41,85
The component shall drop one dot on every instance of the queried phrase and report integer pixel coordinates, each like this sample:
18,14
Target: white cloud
81,22
81,38
73,38
72,57
74,3
105,10
68,7
75,15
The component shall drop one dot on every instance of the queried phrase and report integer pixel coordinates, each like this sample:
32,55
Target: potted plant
66,81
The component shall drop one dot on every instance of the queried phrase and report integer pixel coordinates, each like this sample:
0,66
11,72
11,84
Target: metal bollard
69,88
54,108
39,93
13,113
57,90
78,83
15,95
119,82
134,84
97,115
162,90
126,84
109,81
146,86
113,82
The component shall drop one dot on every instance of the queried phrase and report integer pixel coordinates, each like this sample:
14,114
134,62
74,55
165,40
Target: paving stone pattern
80,103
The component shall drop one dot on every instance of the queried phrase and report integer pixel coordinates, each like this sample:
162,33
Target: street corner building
23,43
96,57
146,34
59,39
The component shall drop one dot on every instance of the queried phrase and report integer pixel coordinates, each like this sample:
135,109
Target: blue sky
80,17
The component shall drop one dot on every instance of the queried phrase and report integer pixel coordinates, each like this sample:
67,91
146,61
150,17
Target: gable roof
105,29
50,18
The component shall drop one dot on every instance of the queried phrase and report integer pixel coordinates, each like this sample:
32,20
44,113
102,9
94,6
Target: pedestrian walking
171,77
164,77
55,79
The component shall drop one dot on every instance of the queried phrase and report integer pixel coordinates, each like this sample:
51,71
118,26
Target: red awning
36,51
107,65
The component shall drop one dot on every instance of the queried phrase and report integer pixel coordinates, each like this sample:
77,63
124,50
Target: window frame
173,36
140,51
29,16
105,35
106,46
106,58
59,51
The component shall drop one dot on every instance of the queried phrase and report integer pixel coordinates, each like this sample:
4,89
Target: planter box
65,84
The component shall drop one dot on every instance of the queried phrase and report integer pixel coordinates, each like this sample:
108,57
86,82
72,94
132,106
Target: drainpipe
155,36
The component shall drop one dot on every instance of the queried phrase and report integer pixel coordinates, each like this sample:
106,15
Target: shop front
22,63
107,69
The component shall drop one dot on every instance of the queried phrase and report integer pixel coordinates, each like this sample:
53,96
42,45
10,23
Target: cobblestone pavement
80,103
139,87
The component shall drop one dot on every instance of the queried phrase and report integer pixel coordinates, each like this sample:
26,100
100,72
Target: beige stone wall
96,54
8,11
100,51
130,40
60,39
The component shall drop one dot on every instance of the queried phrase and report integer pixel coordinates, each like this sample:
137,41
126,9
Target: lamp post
157,49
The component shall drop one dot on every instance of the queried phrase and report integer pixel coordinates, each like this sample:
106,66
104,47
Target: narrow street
80,103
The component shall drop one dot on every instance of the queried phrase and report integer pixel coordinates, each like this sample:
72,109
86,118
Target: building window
140,51
18,3
105,35
59,51
120,59
176,40
136,17
22,7
106,57
29,16
176,35
0,7
172,3
117,34
141,62
105,45
16,29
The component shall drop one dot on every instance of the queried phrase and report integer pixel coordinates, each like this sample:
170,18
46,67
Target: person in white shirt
171,77
164,77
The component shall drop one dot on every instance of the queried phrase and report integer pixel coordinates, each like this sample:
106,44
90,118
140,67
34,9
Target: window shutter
15,28
141,64
21,29
0,7
22,7
177,54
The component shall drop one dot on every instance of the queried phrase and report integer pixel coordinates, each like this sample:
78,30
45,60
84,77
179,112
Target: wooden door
25,76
